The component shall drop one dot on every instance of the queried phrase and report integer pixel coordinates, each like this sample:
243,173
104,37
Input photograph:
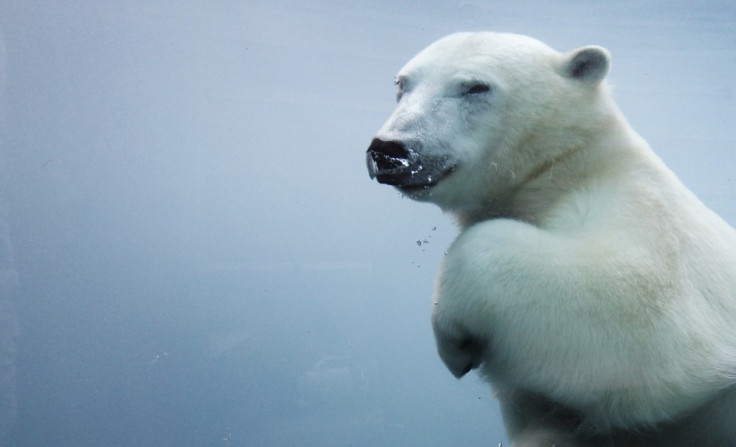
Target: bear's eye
478,88
399,83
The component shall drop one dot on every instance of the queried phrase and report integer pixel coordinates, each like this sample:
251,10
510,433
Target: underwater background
191,250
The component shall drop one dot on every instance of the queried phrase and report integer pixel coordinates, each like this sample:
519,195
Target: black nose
386,159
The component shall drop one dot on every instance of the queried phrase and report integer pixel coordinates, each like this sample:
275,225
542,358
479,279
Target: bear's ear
588,64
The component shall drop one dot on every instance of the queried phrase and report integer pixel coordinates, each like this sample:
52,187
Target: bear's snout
388,161
401,165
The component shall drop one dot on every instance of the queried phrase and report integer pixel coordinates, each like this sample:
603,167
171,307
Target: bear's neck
576,169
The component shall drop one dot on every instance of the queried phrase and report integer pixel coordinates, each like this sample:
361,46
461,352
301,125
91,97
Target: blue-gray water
190,240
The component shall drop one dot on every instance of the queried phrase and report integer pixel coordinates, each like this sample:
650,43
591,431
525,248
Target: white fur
586,280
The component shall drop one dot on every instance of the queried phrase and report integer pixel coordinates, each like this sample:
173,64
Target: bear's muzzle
393,163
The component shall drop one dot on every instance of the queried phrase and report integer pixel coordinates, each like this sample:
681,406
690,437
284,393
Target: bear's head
479,114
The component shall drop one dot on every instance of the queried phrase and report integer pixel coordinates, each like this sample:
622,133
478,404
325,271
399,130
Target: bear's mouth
431,181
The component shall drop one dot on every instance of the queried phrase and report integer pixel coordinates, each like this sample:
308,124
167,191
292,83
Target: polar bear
591,288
